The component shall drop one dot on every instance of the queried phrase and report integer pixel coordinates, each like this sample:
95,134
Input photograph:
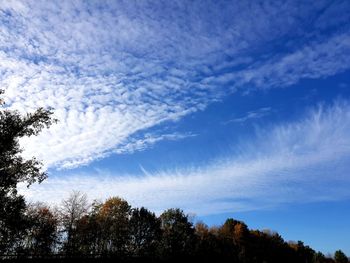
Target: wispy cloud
312,61
302,161
116,69
147,140
250,115
316,60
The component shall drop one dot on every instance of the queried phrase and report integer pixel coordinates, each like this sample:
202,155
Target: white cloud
114,70
302,161
317,60
255,114
311,61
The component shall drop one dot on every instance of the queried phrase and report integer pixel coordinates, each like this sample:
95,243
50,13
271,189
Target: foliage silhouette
14,169
340,257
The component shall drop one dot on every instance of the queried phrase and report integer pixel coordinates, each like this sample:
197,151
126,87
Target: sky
222,108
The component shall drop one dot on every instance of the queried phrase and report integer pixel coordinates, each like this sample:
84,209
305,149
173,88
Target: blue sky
223,108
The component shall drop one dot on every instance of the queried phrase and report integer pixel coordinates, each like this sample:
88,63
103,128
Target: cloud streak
251,115
312,61
301,161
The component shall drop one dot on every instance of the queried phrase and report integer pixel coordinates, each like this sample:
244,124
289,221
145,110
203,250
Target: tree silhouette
42,232
14,169
113,218
145,232
340,257
178,234
209,246
71,211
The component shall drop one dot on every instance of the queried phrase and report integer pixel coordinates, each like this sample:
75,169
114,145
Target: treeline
113,229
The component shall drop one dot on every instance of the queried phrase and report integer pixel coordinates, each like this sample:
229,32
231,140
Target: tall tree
340,257
71,211
145,232
15,169
42,234
87,235
113,217
178,234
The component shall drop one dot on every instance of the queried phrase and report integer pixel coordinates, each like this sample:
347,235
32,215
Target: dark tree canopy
15,169
340,257
145,232
42,233
71,211
178,234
